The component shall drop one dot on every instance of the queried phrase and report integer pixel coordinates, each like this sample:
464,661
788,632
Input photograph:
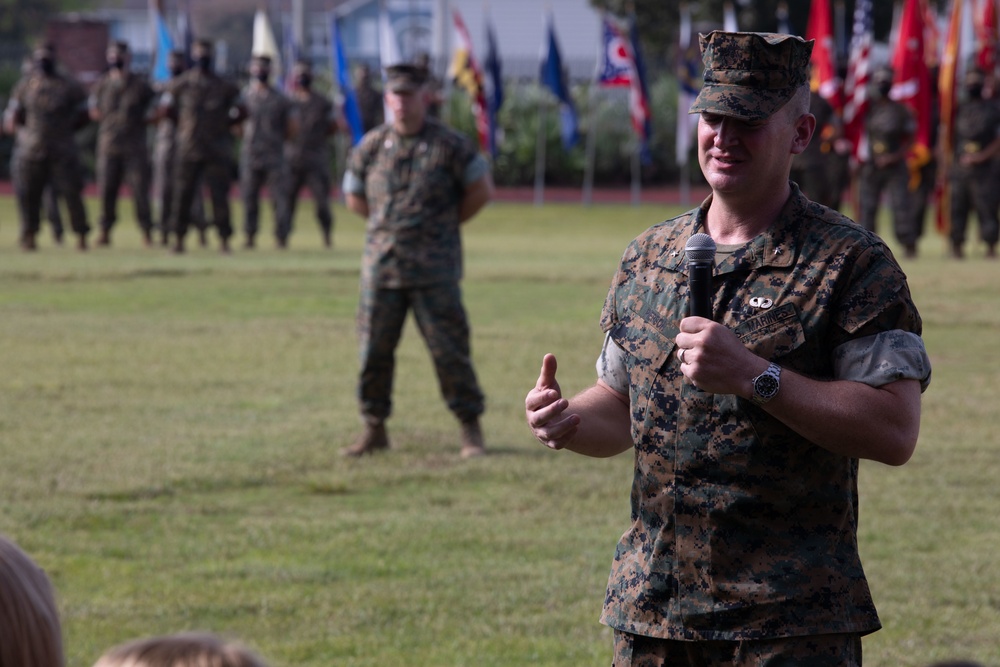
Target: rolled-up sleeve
883,358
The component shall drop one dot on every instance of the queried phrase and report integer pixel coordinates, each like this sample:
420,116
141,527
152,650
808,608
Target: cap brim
740,102
403,87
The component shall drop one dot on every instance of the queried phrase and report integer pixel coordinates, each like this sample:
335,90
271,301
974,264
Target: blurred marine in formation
120,103
890,126
814,169
206,107
45,110
262,159
164,158
308,153
975,169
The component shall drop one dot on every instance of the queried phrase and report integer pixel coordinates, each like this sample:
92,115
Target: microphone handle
700,284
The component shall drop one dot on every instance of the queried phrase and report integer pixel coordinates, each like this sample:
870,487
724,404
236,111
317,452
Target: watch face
766,386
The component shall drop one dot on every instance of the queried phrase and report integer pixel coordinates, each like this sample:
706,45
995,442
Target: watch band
766,385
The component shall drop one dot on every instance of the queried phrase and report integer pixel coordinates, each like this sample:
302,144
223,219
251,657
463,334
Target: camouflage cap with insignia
750,75
405,77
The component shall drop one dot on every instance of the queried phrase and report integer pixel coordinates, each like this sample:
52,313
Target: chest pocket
774,334
648,342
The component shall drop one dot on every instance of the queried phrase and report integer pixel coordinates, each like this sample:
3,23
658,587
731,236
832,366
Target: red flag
856,84
824,71
468,75
912,84
988,33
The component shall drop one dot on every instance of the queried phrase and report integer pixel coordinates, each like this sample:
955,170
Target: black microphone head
700,248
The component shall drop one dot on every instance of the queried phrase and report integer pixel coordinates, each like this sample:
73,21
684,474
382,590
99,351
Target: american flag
856,84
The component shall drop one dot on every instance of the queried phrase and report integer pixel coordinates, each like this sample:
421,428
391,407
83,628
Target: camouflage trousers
836,650
163,187
64,176
188,178
252,181
872,182
317,180
112,171
975,188
50,204
444,326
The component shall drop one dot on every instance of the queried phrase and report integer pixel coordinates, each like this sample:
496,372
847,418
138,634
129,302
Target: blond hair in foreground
187,649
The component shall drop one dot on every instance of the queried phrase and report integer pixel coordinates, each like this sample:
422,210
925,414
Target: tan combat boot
472,440
373,439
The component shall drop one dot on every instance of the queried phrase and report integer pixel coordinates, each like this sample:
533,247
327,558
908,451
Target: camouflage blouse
123,102
52,108
741,528
414,186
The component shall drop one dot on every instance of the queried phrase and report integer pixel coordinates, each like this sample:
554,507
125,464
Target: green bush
614,140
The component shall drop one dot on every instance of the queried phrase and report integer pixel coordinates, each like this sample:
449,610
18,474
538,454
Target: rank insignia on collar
778,250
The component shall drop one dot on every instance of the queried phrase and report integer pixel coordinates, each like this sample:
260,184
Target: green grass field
170,429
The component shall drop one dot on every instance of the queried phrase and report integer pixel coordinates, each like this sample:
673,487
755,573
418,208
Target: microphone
700,253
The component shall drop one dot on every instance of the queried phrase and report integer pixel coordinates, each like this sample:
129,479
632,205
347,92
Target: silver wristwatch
766,385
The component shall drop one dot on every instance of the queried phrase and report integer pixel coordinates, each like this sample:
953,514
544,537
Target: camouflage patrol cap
750,75
405,77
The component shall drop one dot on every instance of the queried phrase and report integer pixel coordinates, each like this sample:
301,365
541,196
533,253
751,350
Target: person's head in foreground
754,110
186,649
30,635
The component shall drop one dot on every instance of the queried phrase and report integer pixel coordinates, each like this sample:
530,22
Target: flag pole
588,174
540,155
637,174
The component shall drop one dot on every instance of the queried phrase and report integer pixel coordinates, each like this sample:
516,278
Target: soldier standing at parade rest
975,169
120,103
267,126
308,153
206,107
416,182
369,100
50,203
164,157
890,127
45,110
811,169
747,426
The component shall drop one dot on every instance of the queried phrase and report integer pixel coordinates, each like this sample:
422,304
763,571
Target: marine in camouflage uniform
50,204
308,153
164,152
747,428
890,127
975,169
813,168
416,182
120,102
369,100
206,107
45,109
262,156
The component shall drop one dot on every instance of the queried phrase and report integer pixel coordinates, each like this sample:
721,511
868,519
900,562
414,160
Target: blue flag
640,111
494,93
164,45
553,77
351,111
